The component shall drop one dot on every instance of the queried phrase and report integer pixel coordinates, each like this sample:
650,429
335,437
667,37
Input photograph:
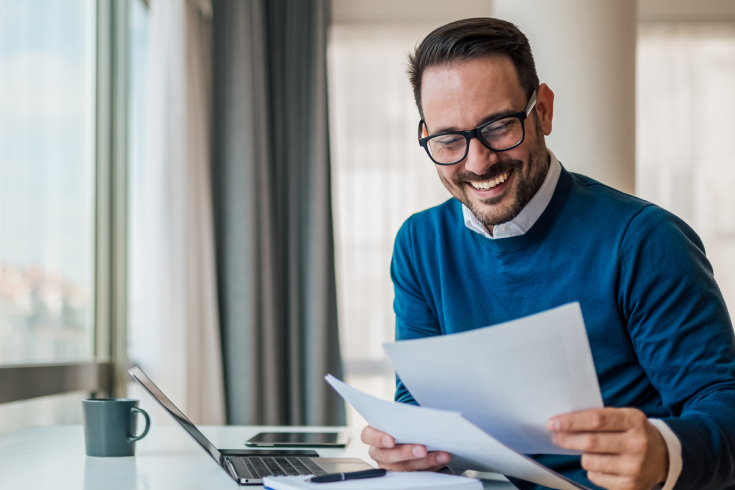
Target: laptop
249,466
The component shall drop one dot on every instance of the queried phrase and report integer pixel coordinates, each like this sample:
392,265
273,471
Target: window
47,180
61,113
46,410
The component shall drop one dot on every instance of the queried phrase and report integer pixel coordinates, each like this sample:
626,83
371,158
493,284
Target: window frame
106,375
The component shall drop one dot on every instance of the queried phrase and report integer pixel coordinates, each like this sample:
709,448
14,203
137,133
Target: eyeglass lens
499,135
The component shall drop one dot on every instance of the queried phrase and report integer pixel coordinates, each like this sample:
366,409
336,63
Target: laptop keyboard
280,465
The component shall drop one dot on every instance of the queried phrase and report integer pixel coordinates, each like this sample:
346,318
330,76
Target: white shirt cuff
674,446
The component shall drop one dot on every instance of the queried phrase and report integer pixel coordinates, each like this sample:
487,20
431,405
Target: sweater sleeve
415,318
683,336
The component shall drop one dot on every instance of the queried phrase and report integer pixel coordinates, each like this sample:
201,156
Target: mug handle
132,439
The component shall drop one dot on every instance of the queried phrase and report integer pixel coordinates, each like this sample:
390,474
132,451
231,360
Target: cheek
447,173
520,153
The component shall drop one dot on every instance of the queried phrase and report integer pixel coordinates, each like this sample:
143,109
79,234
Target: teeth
489,184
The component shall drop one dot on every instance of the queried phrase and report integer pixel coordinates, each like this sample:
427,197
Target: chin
495,214
495,217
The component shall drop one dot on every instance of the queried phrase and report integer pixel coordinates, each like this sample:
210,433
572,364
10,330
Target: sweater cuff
674,446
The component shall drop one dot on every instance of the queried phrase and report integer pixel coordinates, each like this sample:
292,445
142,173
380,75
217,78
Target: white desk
167,458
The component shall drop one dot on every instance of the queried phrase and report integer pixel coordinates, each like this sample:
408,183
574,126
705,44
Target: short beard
537,167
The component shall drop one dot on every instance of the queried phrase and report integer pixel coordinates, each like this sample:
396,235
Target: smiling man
522,235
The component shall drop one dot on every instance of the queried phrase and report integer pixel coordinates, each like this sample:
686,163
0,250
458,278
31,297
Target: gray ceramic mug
110,425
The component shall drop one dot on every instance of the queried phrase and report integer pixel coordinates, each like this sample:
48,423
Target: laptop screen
178,416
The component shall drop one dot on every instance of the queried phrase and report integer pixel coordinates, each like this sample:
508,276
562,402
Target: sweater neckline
538,230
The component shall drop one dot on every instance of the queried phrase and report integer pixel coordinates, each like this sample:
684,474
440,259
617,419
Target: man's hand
401,457
622,449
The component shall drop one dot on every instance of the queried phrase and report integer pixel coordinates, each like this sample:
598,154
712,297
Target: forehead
464,94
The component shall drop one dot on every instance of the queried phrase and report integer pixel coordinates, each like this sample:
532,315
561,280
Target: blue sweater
658,327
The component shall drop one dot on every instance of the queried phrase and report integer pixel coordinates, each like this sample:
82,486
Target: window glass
63,409
47,103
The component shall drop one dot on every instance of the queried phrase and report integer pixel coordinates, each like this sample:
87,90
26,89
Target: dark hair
470,39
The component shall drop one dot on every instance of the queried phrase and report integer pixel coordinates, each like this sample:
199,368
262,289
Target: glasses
500,134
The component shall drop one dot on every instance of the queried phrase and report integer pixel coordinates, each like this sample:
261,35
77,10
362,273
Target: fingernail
553,425
553,438
387,442
443,458
419,452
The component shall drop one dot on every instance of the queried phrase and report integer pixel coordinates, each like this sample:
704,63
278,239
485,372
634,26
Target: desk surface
54,458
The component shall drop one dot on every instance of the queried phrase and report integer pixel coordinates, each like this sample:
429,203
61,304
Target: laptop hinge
231,469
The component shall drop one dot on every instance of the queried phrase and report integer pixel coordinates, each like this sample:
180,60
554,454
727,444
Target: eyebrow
487,119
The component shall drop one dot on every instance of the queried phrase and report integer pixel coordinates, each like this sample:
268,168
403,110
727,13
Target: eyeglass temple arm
422,133
531,103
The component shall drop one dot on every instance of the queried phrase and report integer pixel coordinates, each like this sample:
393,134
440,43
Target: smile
489,184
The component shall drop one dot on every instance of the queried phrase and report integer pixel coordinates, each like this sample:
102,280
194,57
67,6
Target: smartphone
299,439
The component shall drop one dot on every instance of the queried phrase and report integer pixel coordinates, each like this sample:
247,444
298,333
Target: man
522,235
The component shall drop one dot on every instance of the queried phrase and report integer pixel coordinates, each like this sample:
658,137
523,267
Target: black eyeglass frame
475,133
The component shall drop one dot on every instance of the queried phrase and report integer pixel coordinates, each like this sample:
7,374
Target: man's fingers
402,452
597,419
601,463
431,462
612,464
588,420
373,437
401,457
591,442
613,482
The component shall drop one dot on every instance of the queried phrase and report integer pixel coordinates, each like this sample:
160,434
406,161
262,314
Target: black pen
355,475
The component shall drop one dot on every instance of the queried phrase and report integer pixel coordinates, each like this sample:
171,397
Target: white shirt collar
528,215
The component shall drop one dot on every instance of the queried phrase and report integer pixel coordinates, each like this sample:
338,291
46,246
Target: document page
470,447
416,480
508,379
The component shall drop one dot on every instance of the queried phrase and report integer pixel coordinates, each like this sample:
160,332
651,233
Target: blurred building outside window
47,193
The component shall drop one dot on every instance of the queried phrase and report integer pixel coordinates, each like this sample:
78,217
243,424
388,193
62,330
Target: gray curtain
272,193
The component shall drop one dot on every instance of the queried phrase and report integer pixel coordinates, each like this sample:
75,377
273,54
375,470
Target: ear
545,108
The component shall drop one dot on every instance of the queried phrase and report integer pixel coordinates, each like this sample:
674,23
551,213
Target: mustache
495,171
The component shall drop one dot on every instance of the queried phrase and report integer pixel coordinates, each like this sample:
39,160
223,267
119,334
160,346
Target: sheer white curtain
686,123
174,322
380,176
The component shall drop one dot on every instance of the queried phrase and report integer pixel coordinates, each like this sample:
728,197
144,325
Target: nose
479,158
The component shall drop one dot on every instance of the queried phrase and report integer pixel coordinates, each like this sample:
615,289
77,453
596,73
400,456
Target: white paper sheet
508,379
441,430
416,480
